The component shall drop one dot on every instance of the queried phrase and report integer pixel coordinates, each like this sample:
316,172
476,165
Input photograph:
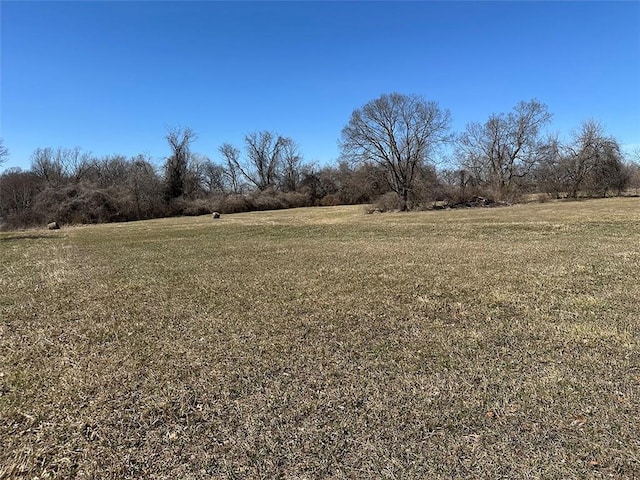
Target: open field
325,343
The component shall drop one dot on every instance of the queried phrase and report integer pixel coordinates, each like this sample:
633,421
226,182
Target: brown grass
326,343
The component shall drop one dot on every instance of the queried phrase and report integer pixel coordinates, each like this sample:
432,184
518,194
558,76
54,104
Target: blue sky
111,77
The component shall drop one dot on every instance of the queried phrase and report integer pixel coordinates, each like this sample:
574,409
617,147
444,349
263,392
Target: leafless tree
79,165
589,162
213,177
4,152
62,165
180,140
111,171
203,177
194,177
231,157
548,174
49,166
592,159
506,147
17,191
633,168
265,151
291,173
398,132
145,186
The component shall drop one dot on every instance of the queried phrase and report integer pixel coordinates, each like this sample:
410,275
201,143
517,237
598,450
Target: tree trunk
574,190
404,200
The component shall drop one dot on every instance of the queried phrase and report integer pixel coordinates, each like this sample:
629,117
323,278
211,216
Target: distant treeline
390,148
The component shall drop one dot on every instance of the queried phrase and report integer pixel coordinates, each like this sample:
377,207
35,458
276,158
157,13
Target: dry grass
325,343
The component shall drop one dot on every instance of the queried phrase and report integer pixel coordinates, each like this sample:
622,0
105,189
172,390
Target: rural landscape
311,240
326,343
397,151
405,320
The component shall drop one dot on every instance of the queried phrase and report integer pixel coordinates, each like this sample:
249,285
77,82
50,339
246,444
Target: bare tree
506,147
4,152
633,168
213,177
265,152
180,140
49,166
291,174
194,178
145,186
17,191
112,171
592,159
548,173
203,177
231,156
399,133
62,165
79,165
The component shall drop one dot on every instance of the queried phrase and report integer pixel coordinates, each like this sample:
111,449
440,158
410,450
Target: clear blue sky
110,77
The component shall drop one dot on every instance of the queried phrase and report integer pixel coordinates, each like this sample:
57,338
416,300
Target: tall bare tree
506,147
265,151
231,156
180,140
291,170
398,132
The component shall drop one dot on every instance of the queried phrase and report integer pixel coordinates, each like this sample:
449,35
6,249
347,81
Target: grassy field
325,343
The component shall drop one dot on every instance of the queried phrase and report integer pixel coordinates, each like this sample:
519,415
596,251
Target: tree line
392,152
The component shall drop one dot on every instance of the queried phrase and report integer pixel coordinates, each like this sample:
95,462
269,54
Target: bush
267,200
78,204
388,202
232,204
330,200
23,219
197,207
297,199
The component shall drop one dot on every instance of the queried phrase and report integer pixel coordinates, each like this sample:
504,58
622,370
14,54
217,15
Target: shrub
388,202
267,200
330,200
78,204
231,204
297,199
